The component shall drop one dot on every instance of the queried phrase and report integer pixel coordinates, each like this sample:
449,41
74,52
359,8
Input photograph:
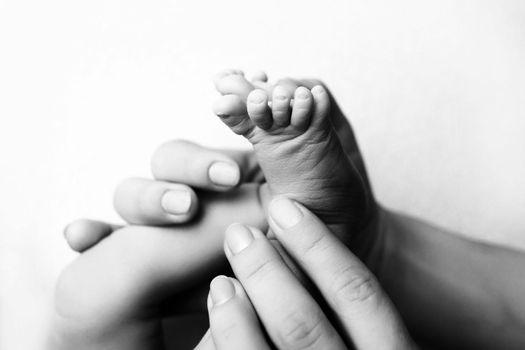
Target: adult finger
82,234
349,288
233,322
197,166
290,315
206,342
149,202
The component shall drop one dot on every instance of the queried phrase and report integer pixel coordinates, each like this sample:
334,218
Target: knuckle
224,324
258,270
352,287
159,159
315,245
300,330
148,198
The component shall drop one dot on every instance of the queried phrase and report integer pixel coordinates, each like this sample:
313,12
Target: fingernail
285,212
176,202
238,237
221,290
224,174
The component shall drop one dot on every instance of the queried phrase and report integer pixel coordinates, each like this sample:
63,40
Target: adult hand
267,291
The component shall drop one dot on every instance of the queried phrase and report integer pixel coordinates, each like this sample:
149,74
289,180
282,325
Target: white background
88,89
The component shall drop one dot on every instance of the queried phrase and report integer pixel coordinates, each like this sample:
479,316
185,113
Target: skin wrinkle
301,329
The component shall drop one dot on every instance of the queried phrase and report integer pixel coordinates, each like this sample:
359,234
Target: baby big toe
232,111
234,84
229,105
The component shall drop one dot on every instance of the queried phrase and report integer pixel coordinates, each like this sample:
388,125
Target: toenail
302,93
257,97
224,174
318,89
176,202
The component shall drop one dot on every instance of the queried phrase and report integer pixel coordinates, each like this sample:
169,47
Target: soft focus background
88,89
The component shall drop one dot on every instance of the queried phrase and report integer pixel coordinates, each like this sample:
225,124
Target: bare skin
466,294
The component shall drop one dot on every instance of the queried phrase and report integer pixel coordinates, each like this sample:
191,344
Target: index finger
350,289
200,167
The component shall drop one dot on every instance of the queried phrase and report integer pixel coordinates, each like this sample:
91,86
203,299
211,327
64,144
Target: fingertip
285,213
179,202
83,234
221,290
238,237
224,174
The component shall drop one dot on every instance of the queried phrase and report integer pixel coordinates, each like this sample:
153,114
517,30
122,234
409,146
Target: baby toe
321,104
234,84
281,105
229,105
301,108
225,73
258,110
232,111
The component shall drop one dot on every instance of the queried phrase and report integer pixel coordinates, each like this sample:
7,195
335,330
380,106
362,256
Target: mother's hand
269,291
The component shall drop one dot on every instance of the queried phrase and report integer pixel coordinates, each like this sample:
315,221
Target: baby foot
297,147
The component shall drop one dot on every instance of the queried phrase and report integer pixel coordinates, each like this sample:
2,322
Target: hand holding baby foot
293,132
163,259
251,313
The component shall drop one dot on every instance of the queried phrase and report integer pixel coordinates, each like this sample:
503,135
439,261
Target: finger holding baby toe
258,110
82,234
149,202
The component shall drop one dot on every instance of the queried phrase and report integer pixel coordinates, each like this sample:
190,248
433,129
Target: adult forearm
451,290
